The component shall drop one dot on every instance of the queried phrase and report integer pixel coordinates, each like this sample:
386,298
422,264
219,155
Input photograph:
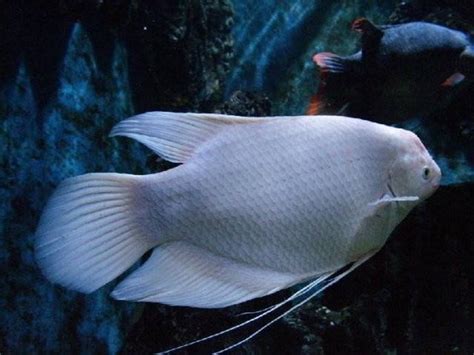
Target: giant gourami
257,205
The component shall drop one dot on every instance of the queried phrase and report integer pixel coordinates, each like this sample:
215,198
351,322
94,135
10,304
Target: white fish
258,205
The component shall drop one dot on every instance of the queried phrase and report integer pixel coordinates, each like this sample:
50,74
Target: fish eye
426,173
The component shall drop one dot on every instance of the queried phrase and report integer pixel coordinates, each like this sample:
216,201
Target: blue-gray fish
257,205
399,72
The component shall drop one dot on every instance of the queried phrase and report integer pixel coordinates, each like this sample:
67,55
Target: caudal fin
90,231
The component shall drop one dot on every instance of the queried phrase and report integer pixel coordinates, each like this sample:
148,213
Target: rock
42,148
180,52
243,103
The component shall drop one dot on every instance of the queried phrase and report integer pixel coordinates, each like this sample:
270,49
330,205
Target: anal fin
179,273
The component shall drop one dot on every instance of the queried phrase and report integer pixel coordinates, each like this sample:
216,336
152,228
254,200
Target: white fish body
258,205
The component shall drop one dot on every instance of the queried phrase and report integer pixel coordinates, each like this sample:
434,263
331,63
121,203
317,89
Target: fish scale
243,195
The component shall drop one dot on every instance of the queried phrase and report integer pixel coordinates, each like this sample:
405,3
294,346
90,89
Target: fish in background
400,72
256,206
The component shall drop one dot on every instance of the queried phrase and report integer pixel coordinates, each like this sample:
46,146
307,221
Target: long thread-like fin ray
311,296
297,294
254,312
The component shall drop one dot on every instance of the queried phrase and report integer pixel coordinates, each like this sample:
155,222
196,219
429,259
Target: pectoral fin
330,63
386,199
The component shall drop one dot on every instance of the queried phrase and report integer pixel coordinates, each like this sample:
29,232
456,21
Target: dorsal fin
175,136
366,27
370,41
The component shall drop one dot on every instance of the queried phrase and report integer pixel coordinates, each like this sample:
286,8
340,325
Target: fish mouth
436,181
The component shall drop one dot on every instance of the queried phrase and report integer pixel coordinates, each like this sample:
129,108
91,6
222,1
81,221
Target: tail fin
89,233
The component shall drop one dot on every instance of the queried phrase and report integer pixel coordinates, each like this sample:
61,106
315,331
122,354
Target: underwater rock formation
41,148
184,51
243,103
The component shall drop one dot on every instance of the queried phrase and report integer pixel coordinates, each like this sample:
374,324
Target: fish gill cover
70,70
